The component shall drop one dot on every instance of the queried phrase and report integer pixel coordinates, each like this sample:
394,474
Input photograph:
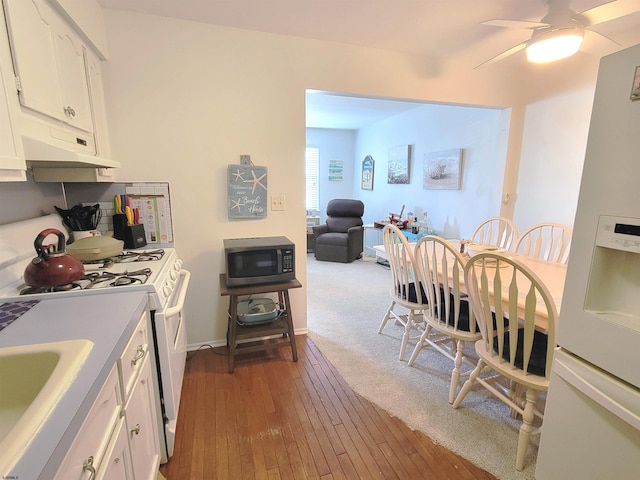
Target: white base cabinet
139,413
90,445
117,460
118,439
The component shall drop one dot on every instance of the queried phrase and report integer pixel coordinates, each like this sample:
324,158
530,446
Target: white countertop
108,321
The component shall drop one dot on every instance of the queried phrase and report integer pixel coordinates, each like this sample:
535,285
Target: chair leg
386,317
420,345
407,334
466,387
526,428
516,393
455,374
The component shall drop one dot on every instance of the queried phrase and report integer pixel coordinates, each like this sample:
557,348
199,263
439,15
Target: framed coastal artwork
399,164
335,170
367,173
442,170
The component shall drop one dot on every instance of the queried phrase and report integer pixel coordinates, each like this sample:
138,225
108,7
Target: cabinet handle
70,111
88,466
135,430
139,356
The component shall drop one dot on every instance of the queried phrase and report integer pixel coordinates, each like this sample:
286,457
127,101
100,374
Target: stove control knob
167,291
174,275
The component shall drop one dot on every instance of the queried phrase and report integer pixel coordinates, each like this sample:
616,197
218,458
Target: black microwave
258,260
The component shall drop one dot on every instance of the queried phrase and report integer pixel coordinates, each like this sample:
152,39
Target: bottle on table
415,226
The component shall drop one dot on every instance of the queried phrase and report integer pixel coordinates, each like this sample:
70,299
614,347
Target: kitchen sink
33,378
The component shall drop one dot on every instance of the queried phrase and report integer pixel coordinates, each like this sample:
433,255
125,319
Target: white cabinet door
117,459
12,163
31,33
95,435
98,104
140,414
49,62
72,78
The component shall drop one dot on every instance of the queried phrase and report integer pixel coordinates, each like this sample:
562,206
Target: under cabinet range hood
39,153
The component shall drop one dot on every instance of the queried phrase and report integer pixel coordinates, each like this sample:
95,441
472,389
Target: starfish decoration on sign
256,181
236,204
238,175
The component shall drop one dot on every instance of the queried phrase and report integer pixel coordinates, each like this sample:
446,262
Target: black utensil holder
133,236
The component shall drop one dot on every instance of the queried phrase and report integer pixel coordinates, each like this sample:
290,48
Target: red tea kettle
52,268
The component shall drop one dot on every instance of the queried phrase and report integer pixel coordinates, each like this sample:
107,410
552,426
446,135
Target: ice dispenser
613,292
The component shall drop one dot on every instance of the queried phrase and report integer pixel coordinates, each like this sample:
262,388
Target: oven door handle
177,308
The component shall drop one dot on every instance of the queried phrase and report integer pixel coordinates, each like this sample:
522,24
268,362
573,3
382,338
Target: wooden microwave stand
283,325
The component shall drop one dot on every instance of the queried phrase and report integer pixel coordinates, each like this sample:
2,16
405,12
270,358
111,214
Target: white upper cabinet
72,74
49,61
12,163
98,104
52,73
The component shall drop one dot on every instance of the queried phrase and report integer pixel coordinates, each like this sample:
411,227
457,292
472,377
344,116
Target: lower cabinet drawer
94,435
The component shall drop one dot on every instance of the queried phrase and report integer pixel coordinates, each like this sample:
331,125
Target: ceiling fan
561,31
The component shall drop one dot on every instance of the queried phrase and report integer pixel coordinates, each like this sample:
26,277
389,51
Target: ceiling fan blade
608,11
504,54
514,23
600,35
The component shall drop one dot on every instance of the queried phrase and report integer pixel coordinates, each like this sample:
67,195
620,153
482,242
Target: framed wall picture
399,164
442,170
635,87
367,173
246,191
335,170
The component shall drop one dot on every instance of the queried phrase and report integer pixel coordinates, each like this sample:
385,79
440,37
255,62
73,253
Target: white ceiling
436,30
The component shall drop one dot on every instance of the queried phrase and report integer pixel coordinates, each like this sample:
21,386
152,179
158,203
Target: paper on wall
155,216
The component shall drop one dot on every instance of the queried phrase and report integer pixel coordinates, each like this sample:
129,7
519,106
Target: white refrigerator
591,426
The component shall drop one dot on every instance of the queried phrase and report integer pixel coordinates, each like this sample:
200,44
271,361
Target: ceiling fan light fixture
554,45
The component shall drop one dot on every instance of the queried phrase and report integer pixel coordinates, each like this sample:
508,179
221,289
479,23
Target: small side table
283,325
369,227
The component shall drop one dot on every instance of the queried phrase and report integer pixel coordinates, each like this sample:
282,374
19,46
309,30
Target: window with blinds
312,155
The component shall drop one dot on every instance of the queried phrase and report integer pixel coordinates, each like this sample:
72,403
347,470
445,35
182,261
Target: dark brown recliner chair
340,239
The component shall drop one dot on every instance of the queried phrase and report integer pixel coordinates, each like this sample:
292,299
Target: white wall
433,128
556,110
186,99
23,200
333,145
553,150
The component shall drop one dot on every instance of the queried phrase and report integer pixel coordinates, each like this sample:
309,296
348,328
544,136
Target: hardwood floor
277,419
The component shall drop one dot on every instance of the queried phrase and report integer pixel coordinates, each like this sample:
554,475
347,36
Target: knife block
133,236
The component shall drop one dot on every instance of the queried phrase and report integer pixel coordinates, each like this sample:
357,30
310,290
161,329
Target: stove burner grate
117,279
104,263
28,290
145,256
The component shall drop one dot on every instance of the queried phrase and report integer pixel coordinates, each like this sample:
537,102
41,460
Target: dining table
551,274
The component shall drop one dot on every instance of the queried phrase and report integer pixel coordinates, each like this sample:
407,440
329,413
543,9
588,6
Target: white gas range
157,271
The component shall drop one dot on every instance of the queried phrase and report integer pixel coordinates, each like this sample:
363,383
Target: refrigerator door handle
613,395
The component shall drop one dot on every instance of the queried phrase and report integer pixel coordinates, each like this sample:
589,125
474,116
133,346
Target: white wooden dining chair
548,241
449,320
497,231
408,298
520,348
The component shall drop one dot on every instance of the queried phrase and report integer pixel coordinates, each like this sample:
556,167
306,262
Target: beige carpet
346,303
